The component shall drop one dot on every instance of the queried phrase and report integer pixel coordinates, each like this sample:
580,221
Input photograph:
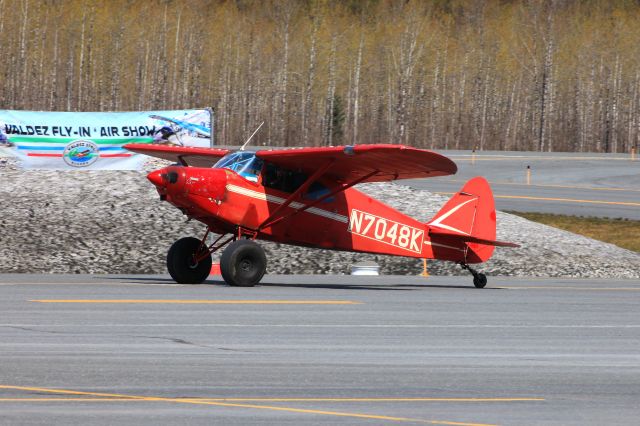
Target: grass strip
621,232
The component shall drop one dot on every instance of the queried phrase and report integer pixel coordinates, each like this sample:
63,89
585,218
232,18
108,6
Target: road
313,350
585,184
601,185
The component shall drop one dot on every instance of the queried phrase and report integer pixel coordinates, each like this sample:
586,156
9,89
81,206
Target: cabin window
282,179
316,191
245,163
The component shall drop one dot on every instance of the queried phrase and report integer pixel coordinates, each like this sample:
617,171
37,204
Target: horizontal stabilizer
471,239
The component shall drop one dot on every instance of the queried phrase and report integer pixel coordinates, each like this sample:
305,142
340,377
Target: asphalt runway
296,350
586,184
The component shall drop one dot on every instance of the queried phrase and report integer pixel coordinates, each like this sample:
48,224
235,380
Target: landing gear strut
479,279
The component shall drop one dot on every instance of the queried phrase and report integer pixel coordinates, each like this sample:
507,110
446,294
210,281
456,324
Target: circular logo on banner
81,153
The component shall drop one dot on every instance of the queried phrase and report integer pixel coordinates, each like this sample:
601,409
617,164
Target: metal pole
425,273
211,141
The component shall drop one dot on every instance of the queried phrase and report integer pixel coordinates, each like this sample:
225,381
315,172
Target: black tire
180,262
243,263
480,280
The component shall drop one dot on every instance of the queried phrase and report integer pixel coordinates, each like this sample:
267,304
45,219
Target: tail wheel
182,265
243,263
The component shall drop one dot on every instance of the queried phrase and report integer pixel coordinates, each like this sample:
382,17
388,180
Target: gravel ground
113,222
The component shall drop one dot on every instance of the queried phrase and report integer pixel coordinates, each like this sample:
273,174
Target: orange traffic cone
215,269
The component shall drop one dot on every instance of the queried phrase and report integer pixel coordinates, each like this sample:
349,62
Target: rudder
468,221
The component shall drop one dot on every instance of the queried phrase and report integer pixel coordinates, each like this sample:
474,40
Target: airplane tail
464,230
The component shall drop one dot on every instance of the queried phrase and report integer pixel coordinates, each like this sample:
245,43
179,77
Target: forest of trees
542,75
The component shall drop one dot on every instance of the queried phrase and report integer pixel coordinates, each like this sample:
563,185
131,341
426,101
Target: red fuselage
348,220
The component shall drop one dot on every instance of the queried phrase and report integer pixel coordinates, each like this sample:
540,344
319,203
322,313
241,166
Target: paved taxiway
604,185
77,349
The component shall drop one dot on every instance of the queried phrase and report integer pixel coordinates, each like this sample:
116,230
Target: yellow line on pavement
590,188
374,399
570,200
201,302
129,399
103,283
526,157
226,404
67,399
573,288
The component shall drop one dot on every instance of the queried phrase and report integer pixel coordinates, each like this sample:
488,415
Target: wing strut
318,201
296,193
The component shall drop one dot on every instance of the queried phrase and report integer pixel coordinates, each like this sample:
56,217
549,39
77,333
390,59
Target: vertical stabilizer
465,227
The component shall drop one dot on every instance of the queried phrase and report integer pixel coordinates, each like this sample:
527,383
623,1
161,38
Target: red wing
352,162
194,156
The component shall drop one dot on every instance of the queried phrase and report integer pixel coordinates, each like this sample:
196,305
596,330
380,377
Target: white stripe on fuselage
279,200
438,222
296,205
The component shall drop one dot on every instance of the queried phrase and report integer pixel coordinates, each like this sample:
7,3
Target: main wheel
480,280
181,262
243,263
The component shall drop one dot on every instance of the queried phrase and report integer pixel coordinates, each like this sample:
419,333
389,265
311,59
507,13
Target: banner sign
93,140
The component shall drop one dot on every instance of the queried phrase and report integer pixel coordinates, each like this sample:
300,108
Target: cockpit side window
282,179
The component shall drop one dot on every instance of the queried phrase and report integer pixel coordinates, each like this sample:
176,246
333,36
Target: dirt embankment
113,222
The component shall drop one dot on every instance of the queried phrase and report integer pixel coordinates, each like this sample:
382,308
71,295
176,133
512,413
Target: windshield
245,163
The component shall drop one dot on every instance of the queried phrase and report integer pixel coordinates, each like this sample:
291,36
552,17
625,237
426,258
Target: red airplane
305,197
